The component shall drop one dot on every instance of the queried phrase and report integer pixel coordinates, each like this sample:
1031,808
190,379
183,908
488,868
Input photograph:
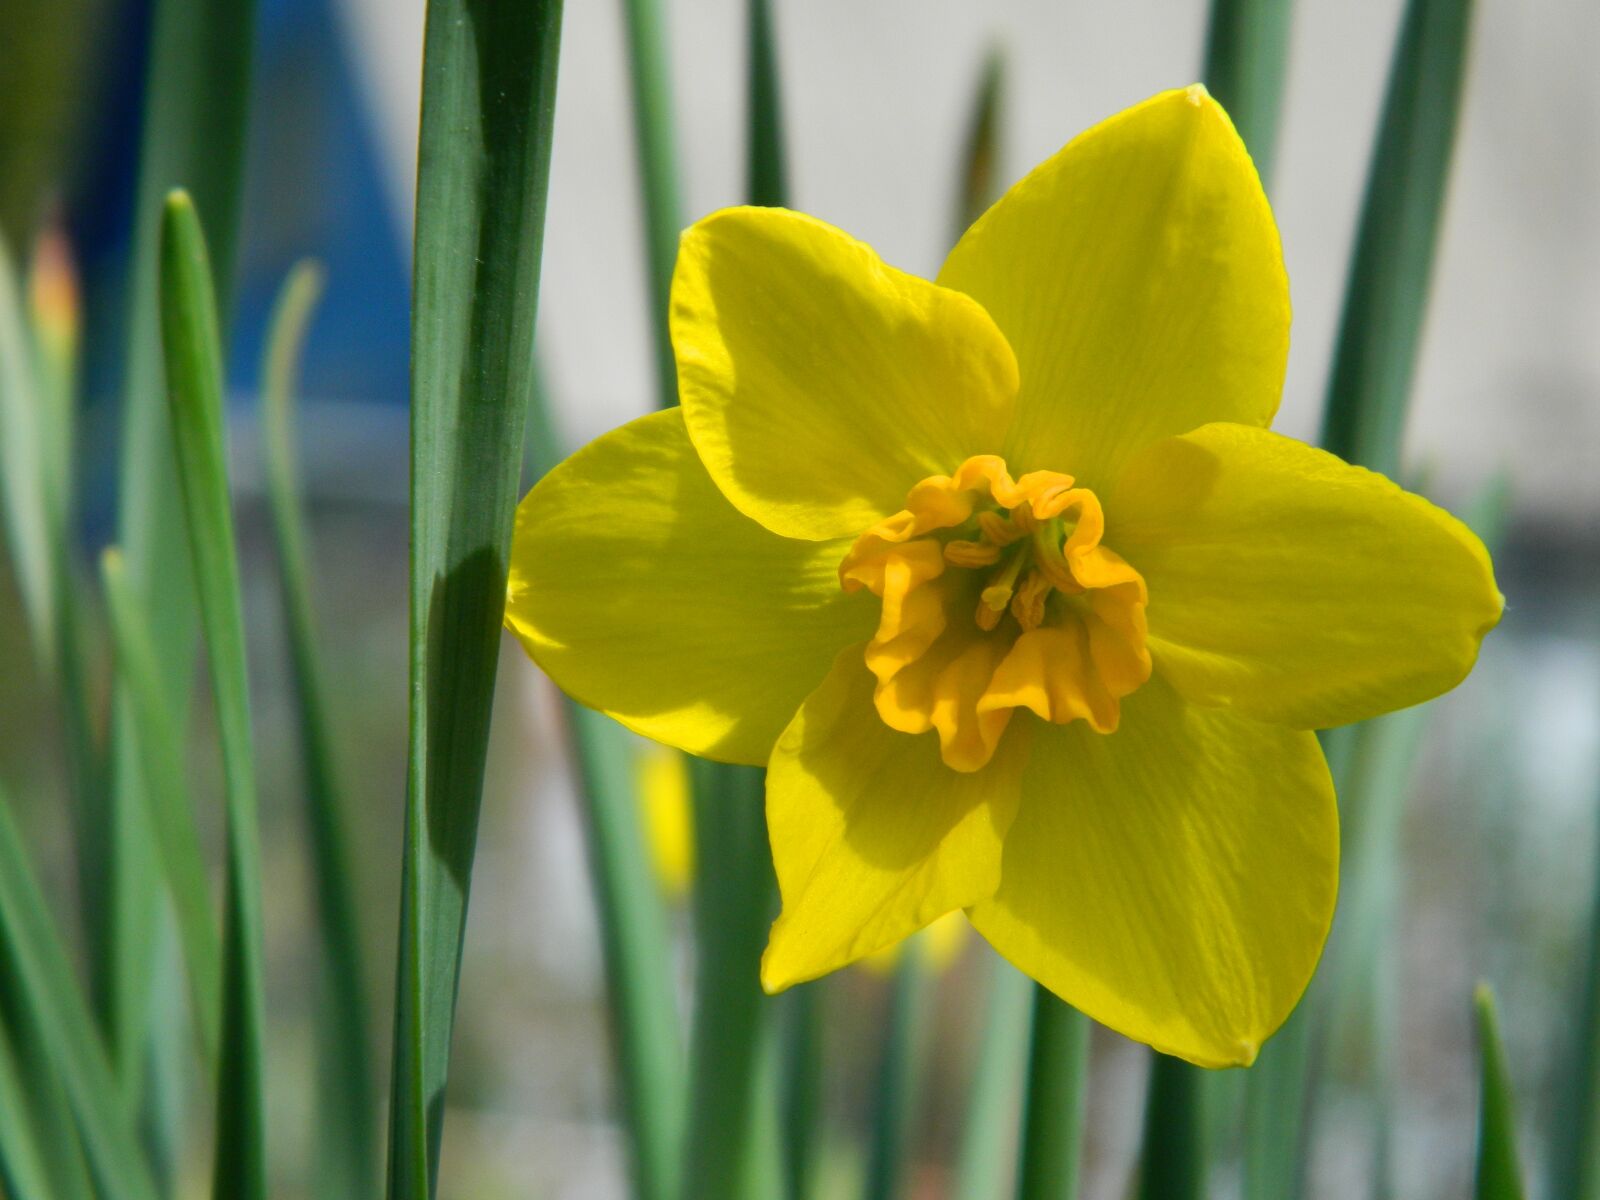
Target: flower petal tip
1196,94
773,980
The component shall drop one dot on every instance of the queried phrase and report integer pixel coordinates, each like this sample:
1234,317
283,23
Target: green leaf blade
34,957
1385,302
1052,1118
345,1129
488,99
165,789
1498,1175
194,387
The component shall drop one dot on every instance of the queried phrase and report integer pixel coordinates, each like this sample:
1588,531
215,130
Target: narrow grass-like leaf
197,89
23,1174
987,1160
1052,1115
656,143
36,401
194,388
36,512
897,1091
35,962
345,1129
1576,1156
978,172
802,1087
1247,50
488,101
766,165
728,1155
166,789
1498,1175
1172,1152
22,466
633,931
1386,294
44,1127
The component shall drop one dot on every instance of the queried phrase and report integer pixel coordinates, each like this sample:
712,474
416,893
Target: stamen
1048,558
971,554
1028,604
1022,517
995,597
997,529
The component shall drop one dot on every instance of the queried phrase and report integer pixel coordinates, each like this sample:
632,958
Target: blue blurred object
313,186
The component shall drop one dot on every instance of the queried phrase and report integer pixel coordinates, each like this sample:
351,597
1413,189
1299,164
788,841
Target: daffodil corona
1008,585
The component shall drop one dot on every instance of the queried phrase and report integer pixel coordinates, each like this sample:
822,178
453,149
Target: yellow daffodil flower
1007,584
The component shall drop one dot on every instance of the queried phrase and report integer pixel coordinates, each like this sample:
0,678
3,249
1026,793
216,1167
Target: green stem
1172,1158
633,931
766,169
1247,50
802,1086
728,1154
658,175
896,1095
989,1142
1052,1116
1386,296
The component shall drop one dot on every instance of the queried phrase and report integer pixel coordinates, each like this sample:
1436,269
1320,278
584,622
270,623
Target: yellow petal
643,593
1294,587
1174,880
819,383
873,837
1138,276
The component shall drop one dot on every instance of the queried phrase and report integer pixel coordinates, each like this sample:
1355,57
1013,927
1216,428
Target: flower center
998,595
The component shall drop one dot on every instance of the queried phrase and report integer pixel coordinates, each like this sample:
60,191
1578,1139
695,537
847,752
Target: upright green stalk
23,1173
197,88
731,1151
1052,1115
658,175
345,1125
897,1091
1387,292
1576,1154
988,1155
1247,51
633,935
1172,1157
194,386
766,168
488,101
802,1099
977,182
1498,1175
